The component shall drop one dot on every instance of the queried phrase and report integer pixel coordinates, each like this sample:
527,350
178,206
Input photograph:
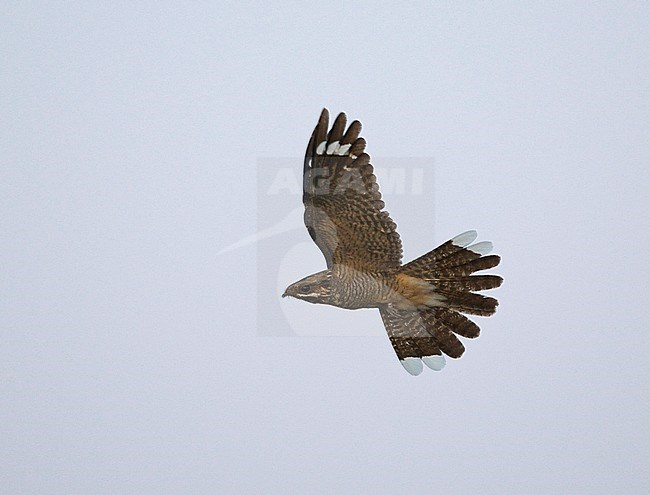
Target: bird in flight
422,303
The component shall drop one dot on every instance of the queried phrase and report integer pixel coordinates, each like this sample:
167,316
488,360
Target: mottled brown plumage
421,302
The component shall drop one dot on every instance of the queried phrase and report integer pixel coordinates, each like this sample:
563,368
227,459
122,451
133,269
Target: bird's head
315,288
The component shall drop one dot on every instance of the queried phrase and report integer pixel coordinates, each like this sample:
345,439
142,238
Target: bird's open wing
343,206
423,335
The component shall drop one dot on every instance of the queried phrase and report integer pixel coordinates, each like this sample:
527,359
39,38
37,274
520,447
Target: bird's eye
305,289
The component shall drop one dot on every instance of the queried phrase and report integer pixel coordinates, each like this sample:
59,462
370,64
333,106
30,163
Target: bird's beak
285,294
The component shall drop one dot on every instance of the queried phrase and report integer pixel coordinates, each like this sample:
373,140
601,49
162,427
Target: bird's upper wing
343,206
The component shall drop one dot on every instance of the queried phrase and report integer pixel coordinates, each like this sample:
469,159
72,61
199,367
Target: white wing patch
333,148
343,150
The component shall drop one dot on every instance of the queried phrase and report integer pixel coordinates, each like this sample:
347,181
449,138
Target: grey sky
133,357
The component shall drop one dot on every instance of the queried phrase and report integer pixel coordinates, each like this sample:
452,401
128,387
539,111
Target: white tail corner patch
320,149
436,363
464,239
413,365
481,248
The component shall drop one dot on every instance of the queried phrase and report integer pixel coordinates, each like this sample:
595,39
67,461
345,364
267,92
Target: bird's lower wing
410,339
425,335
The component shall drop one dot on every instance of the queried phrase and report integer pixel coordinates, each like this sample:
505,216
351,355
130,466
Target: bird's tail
439,286
448,271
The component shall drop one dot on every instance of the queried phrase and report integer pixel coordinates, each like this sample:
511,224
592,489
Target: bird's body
352,289
420,302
